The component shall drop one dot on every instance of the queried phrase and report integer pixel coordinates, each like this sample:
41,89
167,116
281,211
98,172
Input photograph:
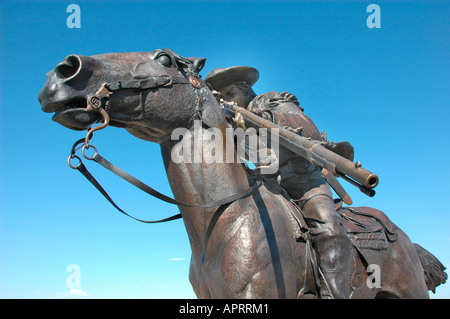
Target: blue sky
385,90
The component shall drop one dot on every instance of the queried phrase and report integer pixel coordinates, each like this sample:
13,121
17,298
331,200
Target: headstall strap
95,102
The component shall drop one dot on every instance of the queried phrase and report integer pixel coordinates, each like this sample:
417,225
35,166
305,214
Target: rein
95,104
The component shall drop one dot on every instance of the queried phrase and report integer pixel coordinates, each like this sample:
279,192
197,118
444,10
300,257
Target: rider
302,180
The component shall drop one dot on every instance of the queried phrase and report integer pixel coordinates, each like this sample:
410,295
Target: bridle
95,101
100,103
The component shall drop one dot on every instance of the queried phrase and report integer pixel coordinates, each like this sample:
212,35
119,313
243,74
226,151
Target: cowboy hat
220,77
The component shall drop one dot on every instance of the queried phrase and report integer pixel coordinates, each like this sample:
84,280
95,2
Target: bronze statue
257,245
302,180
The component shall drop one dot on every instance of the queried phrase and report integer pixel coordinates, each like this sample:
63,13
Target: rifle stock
311,150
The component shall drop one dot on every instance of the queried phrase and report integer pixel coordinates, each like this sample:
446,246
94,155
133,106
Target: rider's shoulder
274,99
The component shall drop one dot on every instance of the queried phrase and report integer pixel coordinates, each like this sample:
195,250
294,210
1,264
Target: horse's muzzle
66,90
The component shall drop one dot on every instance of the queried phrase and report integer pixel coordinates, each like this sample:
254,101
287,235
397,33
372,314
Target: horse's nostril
69,67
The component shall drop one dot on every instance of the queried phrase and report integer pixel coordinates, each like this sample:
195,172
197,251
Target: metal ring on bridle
69,161
194,82
86,147
170,80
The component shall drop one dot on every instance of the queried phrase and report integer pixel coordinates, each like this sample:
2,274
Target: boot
334,255
331,244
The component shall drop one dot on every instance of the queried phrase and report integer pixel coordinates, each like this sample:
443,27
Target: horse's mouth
75,116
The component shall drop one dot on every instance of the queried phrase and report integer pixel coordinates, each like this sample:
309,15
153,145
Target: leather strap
149,190
149,82
132,180
83,170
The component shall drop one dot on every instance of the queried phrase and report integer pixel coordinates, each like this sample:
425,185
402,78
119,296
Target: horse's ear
198,64
194,64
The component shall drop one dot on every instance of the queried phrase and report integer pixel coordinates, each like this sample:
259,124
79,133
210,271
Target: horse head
147,93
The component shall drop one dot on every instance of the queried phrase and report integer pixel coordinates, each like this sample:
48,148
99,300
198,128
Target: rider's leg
330,241
332,245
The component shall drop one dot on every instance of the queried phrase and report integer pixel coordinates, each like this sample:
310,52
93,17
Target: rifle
311,150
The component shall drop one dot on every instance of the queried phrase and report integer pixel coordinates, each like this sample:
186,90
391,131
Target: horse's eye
165,60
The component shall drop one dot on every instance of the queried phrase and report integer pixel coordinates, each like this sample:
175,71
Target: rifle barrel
315,152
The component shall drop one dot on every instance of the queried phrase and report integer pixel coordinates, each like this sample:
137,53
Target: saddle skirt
369,221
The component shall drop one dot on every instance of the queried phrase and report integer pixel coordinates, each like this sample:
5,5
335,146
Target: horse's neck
201,179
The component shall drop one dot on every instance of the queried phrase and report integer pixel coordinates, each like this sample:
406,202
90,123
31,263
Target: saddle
366,220
370,231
